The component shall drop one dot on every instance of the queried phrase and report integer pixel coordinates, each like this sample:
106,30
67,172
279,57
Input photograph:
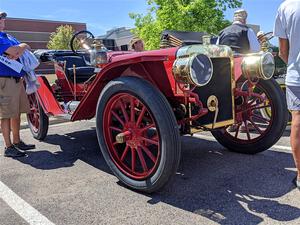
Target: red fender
154,67
47,99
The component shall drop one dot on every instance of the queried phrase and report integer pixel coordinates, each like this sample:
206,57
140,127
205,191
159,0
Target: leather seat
83,71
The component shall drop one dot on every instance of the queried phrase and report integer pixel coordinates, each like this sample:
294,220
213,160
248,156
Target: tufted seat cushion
83,71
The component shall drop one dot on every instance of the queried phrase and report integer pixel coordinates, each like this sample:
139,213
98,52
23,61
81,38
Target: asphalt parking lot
66,181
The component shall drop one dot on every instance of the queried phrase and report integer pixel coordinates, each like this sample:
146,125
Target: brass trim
182,69
209,126
233,86
212,103
226,122
74,80
253,67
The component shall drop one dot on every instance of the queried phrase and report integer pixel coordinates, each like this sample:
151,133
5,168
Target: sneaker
296,182
233,128
22,146
251,128
13,152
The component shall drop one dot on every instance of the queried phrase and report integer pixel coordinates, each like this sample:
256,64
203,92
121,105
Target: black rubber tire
42,131
166,123
275,132
283,87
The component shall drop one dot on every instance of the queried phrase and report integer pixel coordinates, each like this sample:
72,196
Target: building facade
122,37
34,32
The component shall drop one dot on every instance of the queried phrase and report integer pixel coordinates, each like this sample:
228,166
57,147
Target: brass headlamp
260,65
196,69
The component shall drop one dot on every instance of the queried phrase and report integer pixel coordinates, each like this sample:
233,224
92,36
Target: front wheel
254,131
38,121
137,133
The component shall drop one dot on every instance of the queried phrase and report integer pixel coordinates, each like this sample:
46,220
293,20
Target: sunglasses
2,17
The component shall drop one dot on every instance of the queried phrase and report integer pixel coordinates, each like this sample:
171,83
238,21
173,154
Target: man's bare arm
14,52
284,49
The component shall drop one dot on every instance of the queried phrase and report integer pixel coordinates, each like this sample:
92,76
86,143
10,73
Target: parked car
143,102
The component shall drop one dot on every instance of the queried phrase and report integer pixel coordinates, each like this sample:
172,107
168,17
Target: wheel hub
131,136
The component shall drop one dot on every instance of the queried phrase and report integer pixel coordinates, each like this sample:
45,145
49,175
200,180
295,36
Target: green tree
60,39
183,15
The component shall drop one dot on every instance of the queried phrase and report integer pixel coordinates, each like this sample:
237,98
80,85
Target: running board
65,116
69,108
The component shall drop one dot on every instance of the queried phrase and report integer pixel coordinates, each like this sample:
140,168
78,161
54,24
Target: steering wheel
81,40
268,36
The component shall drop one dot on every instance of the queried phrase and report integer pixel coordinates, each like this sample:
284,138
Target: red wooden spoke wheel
260,120
37,119
137,133
132,136
34,115
254,117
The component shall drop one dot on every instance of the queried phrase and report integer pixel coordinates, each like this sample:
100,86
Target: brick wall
36,33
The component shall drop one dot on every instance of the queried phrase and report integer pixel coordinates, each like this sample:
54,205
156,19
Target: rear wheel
38,121
138,133
255,131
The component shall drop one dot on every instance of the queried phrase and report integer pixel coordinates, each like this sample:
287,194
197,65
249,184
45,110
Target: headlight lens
259,66
268,65
195,69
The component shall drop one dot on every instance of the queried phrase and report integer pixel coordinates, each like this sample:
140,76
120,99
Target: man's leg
9,107
15,128
10,150
295,139
5,127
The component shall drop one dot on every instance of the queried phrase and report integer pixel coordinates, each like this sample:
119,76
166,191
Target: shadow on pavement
287,132
230,188
225,187
81,145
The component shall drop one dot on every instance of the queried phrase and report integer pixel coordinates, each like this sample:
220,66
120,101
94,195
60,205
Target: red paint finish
47,99
34,115
247,116
138,156
148,65
237,67
68,90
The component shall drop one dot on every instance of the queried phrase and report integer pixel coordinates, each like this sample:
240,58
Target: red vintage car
144,101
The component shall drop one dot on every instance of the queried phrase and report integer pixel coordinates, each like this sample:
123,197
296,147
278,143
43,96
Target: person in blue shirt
13,98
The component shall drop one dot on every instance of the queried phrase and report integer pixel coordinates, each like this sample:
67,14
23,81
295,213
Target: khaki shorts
13,98
293,98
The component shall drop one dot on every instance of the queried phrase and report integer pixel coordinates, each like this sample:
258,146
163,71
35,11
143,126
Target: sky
103,15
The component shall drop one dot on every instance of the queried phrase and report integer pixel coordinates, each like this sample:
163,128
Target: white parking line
209,138
26,211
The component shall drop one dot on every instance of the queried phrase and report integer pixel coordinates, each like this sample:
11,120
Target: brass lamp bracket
213,106
212,103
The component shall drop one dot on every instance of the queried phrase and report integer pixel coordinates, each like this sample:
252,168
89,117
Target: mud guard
87,107
46,98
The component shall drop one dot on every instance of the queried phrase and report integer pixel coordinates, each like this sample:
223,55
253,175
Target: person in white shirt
287,29
239,36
